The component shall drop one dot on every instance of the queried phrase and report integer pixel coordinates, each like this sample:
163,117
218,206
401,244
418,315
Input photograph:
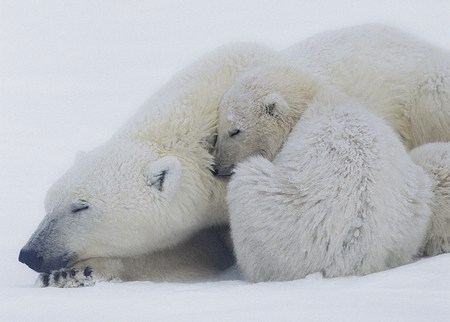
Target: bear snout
223,171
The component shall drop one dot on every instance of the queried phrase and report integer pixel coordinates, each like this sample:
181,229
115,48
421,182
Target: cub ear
164,175
209,142
275,105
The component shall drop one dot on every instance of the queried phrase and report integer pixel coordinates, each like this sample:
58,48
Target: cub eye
78,206
234,132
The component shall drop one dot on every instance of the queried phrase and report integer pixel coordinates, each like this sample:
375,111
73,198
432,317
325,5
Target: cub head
119,200
258,112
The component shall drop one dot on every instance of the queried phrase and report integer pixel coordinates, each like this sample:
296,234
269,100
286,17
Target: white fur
133,211
434,158
341,198
403,80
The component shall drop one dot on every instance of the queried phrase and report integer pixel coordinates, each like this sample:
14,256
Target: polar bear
342,197
127,209
435,159
401,79
259,111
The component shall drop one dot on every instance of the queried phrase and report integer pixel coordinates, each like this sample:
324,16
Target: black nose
223,171
31,258
215,170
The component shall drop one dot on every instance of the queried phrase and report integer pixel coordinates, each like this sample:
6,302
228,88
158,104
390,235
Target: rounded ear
164,175
275,105
209,142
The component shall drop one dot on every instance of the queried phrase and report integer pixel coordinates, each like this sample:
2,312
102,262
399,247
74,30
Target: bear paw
65,278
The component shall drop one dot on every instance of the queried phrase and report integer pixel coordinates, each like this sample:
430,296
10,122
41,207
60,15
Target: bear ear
164,175
275,105
209,142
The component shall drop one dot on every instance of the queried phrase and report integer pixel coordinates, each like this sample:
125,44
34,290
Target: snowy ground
72,72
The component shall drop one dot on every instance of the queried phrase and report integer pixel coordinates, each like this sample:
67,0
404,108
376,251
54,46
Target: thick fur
342,198
401,79
404,80
150,187
435,159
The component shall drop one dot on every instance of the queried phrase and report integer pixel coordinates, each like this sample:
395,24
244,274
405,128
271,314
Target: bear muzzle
223,171
45,251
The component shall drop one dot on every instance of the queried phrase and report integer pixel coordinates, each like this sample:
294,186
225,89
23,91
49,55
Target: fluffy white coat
342,198
434,158
403,79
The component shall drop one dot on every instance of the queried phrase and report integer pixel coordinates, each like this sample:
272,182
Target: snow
72,72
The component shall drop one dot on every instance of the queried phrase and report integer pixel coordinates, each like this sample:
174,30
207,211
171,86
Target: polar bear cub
434,158
259,111
342,197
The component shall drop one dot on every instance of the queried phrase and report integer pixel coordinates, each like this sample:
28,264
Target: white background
71,72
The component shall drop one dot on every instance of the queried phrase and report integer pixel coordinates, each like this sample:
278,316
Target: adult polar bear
122,209
401,79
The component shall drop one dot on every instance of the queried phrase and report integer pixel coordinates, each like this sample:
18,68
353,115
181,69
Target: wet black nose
31,258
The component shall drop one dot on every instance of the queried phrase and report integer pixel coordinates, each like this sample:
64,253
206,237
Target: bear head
121,199
258,112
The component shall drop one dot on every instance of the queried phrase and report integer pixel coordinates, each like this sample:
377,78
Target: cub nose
31,258
215,170
223,171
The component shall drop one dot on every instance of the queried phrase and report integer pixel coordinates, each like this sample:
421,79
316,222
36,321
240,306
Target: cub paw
65,278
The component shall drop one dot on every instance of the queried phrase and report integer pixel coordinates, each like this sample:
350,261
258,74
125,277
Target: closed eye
234,132
78,206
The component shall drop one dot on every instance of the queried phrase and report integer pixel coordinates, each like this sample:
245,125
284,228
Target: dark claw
73,272
56,276
87,271
45,279
64,274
